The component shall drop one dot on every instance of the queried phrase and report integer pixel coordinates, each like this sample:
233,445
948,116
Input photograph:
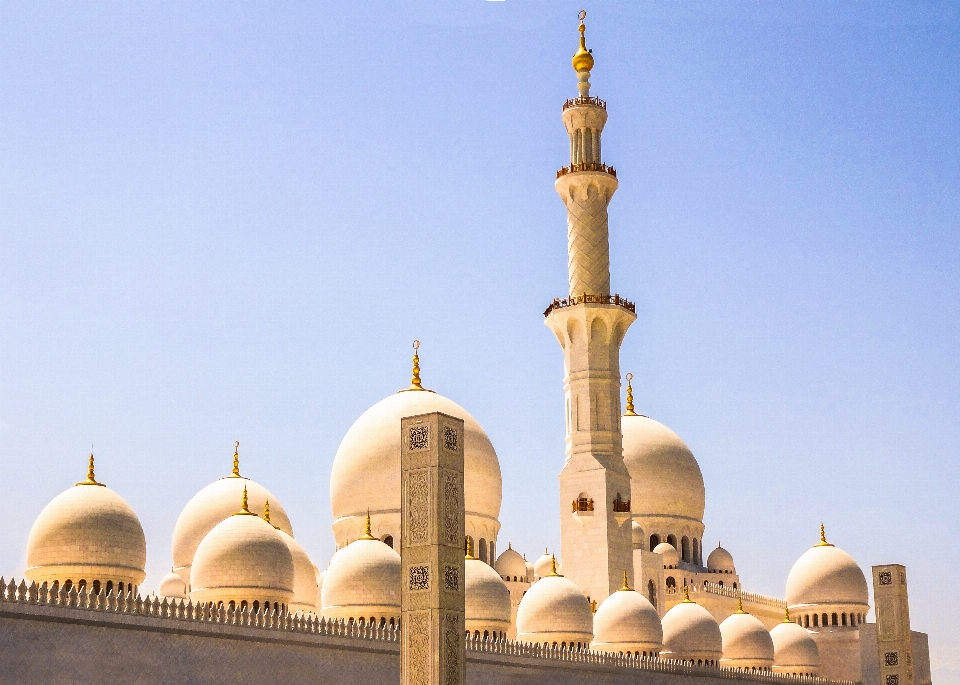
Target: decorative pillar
894,639
431,551
590,324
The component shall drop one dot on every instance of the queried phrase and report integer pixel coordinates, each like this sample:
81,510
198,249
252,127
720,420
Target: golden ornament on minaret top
583,59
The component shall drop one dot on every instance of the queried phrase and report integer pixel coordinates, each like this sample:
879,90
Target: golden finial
630,411
236,460
244,507
415,380
593,606
91,479
266,511
625,585
740,604
553,566
469,554
367,535
582,59
786,615
823,538
686,595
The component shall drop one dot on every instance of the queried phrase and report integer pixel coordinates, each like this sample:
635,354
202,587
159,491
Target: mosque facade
633,592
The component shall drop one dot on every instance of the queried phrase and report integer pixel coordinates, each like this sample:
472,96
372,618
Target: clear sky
228,221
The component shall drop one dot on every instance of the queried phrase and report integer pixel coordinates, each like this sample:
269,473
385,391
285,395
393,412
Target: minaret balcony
580,102
591,299
587,166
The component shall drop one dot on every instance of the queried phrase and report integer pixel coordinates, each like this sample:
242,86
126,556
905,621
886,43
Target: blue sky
228,221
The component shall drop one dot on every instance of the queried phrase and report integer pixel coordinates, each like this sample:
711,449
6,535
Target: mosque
633,575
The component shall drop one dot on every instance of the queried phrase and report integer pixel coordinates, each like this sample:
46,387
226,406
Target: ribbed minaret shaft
595,530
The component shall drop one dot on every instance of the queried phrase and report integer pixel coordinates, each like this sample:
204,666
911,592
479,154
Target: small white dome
664,475
826,574
305,592
213,504
794,650
510,565
669,554
87,533
639,536
721,560
690,633
243,559
543,565
487,610
746,642
362,582
554,610
627,622
366,469
173,587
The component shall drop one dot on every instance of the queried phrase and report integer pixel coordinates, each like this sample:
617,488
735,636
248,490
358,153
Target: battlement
95,612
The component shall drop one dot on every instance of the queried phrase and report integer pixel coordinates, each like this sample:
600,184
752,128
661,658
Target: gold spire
686,595
415,383
91,480
593,606
582,59
266,511
823,538
786,615
367,535
626,586
740,604
630,411
469,554
236,460
553,566
244,507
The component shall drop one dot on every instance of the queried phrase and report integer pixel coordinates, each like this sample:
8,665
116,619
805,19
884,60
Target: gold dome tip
740,604
367,535
786,615
266,511
91,479
553,566
823,538
593,606
626,586
469,554
415,383
686,595
582,59
244,506
629,411
236,460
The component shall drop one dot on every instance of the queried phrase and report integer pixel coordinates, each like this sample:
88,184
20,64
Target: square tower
894,639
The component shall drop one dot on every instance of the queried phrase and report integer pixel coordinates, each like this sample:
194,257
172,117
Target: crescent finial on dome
415,383
823,538
582,59
91,479
629,411
626,586
236,460
553,566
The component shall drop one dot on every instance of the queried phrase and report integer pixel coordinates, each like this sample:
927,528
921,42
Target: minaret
596,536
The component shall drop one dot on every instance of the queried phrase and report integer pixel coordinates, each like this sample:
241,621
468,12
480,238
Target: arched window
109,586
720,583
843,619
482,551
388,540
671,582
81,585
815,619
256,606
833,620
672,539
806,621
824,621
492,551
67,584
654,541
652,593
685,548
734,586
96,587
696,552
120,588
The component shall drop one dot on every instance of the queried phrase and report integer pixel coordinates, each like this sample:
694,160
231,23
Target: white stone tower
590,324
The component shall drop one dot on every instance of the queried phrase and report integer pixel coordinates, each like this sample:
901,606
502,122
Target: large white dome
213,504
487,611
825,574
243,559
362,582
746,642
691,634
626,622
794,650
87,533
665,478
555,610
366,470
511,566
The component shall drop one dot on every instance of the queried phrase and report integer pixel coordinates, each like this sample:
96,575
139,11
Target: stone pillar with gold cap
432,650
590,324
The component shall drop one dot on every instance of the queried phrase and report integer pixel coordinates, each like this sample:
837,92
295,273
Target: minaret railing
586,166
560,303
581,102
